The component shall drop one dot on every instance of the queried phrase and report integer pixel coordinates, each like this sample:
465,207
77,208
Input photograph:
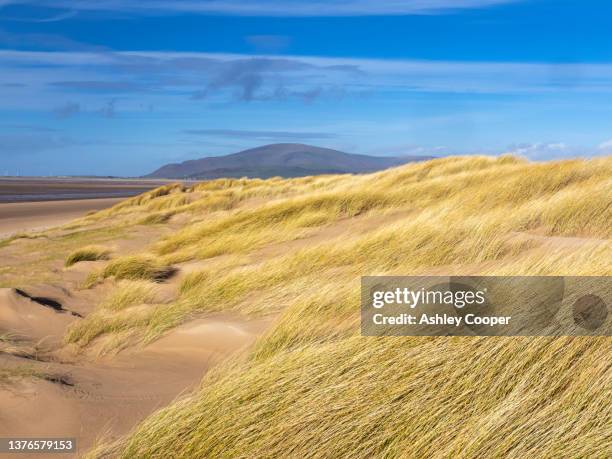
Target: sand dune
73,396
53,390
36,319
192,275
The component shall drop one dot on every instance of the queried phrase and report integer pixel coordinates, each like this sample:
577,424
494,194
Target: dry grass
368,397
137,267
125,300
311,386
89,253
7,241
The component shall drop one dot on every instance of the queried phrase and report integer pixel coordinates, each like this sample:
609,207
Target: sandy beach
17,217
33,204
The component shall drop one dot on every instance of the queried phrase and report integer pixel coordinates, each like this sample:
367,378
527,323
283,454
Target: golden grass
312,386
34,259
453,212
7,241
368,397
129,293
106,319
137,267
156,218
88,253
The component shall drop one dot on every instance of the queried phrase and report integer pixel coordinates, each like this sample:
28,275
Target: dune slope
291,251
313,387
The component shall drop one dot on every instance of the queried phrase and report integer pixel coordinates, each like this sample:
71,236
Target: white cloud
270,7
605,147
542,151
54,18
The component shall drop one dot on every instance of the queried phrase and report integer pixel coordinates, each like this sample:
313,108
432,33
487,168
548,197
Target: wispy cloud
43,41
270,7
605,147
108,111
543,151
67,110
53,18
93,77
267,136
29,128
535,151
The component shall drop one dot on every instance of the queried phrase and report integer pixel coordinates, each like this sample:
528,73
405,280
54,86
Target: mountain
281,159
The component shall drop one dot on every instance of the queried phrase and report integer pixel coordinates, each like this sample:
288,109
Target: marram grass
137,267
88,253
311,386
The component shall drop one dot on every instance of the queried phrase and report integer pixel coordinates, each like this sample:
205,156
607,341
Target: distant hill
281,159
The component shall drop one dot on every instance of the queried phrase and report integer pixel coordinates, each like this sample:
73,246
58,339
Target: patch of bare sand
209,338
37,408
108,397
33,317
29,216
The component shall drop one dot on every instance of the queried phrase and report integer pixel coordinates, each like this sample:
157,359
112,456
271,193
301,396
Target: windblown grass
125,300
368,397
312,386
454,212
6,241
89,253
137,267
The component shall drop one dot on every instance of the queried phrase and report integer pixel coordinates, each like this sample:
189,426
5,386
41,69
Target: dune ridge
291,252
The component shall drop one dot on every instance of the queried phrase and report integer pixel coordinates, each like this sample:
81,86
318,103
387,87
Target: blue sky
120,87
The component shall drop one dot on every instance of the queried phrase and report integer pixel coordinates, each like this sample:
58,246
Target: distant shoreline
42,189
37,203
24,198
23,217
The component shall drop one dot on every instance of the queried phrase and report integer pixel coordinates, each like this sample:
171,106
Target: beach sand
33,204
20,217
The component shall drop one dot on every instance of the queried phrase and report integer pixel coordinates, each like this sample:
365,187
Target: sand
34,216
89,398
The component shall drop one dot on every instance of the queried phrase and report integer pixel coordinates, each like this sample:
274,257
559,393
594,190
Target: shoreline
19,217
41,189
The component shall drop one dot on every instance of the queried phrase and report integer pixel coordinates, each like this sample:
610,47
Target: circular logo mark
590,312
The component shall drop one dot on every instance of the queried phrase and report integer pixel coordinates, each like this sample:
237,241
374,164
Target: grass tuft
138,267
89,253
